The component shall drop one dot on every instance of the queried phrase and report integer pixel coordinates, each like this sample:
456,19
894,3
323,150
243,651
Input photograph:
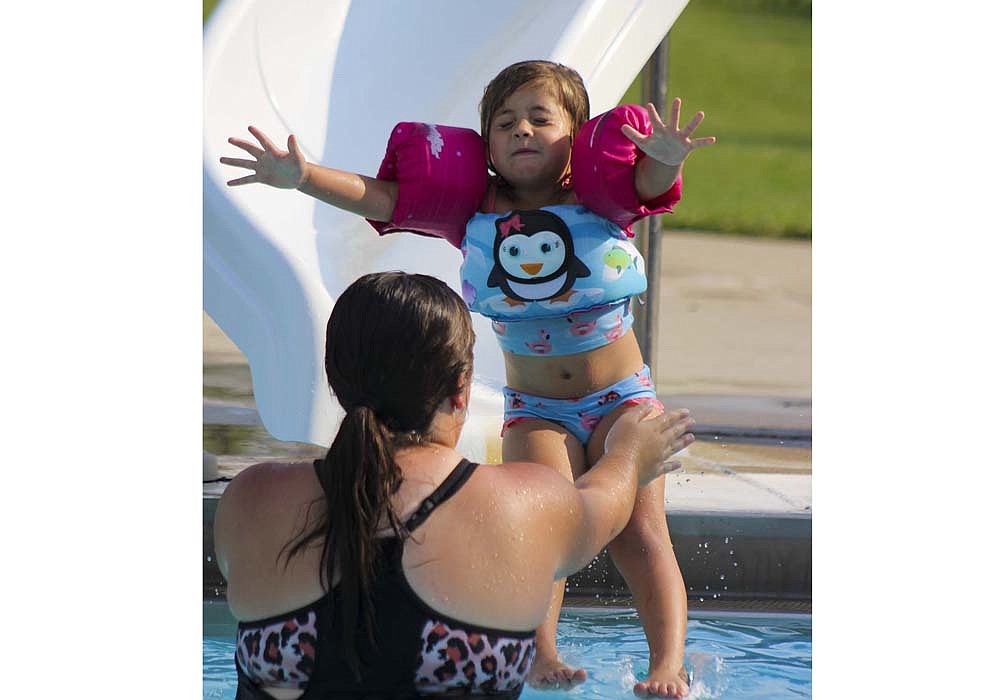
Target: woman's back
455,605
478,544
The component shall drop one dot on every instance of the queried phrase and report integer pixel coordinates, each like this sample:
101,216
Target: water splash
627,679
708,678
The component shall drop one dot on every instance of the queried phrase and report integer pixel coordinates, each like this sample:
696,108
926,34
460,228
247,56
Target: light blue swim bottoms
581,415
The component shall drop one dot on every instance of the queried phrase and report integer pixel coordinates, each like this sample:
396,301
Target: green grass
748,65
750,69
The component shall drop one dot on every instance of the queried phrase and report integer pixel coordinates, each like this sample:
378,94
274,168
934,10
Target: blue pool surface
741,656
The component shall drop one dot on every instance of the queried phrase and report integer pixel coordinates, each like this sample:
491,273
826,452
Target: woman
385,570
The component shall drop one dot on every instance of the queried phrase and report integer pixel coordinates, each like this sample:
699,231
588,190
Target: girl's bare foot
549,673
663,683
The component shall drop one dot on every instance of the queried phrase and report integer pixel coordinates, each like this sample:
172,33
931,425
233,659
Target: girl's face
530,138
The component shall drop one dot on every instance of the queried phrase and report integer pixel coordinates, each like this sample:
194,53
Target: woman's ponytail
397,345
359,477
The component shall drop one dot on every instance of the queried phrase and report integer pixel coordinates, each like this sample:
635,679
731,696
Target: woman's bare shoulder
260,512
263,496
269,482
525,516
527,488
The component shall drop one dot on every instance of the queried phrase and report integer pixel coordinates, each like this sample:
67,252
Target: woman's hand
652,441
668,143
271,166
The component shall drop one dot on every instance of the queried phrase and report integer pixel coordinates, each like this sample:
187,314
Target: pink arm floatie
441,171
603,166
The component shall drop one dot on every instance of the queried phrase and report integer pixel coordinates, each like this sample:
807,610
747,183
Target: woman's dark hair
397,345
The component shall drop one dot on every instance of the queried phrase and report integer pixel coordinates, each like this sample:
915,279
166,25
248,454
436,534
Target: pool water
744,656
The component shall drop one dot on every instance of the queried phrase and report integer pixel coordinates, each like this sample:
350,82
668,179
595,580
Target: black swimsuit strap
459,475
452,483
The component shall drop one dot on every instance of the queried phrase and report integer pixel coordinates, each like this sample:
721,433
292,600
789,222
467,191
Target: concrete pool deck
735,348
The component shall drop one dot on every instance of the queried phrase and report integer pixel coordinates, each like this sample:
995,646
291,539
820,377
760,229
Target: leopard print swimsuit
419,652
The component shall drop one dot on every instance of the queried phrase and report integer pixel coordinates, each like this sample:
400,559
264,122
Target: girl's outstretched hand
271,166
668,143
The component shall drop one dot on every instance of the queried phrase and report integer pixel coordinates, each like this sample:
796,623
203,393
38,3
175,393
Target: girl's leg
550,444
645,557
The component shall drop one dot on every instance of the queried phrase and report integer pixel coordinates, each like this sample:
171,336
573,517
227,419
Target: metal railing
647,322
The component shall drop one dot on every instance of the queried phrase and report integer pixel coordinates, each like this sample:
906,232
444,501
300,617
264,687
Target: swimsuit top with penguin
555,281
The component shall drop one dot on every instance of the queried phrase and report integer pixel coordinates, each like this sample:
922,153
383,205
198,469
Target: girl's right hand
650,441
271,166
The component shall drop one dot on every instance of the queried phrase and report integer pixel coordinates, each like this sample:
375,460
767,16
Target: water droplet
722,577
210,557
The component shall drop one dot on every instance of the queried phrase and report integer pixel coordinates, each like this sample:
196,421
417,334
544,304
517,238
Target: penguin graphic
533,257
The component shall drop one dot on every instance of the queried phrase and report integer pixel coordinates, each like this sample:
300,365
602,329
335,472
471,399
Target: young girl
557,280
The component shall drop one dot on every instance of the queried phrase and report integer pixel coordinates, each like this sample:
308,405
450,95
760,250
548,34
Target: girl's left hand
668,143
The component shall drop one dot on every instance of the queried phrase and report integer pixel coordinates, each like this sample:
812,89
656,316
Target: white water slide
339,74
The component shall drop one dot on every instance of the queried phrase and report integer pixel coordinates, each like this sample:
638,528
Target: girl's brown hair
397,345
565,83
